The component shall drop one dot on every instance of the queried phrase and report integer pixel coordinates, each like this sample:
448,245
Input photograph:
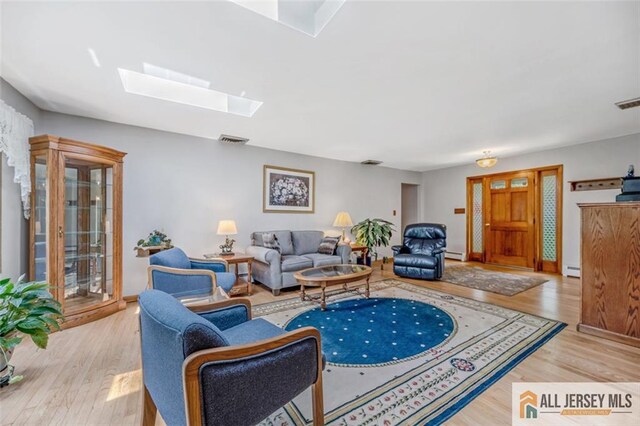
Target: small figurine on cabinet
631,171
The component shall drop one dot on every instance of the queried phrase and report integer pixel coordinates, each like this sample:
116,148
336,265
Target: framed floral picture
288,190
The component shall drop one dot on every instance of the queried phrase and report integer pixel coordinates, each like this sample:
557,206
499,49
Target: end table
241,285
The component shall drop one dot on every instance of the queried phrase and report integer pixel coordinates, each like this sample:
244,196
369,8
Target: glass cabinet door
39,212
88,239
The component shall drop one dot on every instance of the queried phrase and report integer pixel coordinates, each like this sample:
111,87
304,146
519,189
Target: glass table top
333,271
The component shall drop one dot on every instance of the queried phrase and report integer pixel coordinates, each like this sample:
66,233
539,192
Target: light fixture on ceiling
487,160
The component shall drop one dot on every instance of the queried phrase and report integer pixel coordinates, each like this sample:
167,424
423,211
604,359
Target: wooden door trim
537,228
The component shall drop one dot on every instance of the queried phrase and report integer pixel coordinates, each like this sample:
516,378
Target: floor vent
233,140
631,103
371,162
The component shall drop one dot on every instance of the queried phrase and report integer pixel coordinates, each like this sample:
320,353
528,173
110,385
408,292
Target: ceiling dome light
487,160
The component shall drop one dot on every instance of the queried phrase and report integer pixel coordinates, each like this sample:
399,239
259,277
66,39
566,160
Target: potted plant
155,242
373,233
26,308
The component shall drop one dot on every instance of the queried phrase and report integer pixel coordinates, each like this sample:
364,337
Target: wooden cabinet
610,271
76,225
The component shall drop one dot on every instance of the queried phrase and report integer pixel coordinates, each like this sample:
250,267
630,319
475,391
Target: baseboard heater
572,271
456,255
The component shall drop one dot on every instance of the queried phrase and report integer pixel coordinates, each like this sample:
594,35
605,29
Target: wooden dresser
610,271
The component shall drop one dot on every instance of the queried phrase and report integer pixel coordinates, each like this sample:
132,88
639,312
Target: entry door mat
408,355
493,281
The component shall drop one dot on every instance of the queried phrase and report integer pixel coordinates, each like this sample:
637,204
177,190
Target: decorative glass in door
88,239
549,214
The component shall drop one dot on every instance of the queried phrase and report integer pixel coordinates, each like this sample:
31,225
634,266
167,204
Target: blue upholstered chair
173,272
214,365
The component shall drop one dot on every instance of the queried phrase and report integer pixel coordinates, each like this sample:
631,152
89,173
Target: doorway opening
408,205
515,219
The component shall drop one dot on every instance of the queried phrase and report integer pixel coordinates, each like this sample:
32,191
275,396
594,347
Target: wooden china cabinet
76,225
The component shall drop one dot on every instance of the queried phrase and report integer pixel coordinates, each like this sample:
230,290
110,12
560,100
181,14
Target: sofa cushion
270,241
415,260
306,241
320,259
328,245
292,263
284,239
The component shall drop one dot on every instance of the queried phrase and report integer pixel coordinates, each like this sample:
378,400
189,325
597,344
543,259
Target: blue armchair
214,365
173,272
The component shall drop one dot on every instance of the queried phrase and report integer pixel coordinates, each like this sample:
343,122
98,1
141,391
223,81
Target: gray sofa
298,251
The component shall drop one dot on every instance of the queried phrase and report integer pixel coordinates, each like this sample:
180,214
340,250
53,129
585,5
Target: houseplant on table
26,308
155,242
373,233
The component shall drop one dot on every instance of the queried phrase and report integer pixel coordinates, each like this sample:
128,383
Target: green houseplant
26,308
373,233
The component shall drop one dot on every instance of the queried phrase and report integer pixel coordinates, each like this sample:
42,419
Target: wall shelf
596,184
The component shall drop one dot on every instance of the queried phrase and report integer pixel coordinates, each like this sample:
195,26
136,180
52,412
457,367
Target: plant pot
361,261
8,353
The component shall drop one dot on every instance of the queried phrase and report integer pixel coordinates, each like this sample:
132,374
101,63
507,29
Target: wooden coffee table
325,276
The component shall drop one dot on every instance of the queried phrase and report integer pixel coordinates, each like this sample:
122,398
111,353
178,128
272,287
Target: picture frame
286,190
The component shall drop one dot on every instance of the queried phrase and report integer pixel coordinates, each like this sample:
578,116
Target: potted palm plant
373,233
26,308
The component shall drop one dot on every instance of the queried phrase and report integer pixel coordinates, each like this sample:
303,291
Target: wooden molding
131,298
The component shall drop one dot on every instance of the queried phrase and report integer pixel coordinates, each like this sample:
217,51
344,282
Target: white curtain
15,131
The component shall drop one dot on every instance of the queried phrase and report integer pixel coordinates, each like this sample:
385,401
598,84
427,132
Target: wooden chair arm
193,363
221,304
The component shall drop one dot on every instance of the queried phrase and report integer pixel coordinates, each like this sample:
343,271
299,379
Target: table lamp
226,228
343,220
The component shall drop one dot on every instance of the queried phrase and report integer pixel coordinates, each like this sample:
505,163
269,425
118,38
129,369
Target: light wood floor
91,374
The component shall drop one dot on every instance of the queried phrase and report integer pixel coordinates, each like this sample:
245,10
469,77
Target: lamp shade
227,227
343,220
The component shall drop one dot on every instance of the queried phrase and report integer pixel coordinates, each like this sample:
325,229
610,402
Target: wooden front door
509,219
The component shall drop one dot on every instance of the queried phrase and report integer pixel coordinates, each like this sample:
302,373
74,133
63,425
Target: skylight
309,16
172,86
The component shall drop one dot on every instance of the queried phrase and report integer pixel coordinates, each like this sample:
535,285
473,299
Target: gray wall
184,185
14,226
445,189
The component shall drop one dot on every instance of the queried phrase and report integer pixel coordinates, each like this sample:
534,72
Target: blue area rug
377,330
406,383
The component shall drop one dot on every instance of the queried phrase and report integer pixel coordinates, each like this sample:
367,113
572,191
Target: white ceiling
419,85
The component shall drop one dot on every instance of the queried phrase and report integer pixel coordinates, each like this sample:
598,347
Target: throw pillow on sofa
328,245
270,241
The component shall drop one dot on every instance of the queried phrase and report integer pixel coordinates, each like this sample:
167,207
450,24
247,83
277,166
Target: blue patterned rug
408,355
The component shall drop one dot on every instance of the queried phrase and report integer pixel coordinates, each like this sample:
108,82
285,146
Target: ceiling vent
233,140
371,162
631,103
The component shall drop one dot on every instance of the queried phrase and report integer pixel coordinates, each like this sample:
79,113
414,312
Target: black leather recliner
421,254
